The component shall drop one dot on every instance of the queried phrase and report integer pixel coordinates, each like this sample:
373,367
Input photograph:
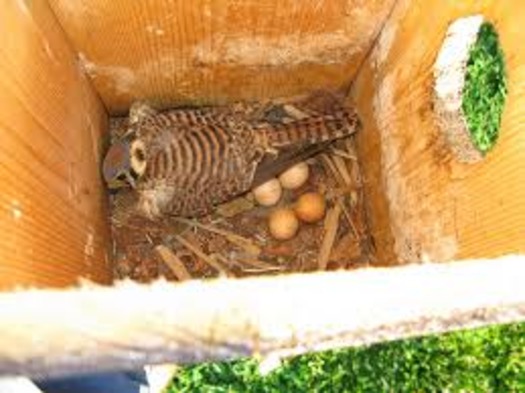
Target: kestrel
184,162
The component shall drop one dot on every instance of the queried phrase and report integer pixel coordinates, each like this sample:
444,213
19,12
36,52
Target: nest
234,240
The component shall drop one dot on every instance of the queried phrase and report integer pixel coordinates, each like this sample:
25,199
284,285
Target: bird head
124,163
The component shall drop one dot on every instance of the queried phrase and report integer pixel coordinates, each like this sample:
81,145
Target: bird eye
121,177
138,157
139,154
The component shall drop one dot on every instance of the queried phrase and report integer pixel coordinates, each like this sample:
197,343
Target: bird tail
313,129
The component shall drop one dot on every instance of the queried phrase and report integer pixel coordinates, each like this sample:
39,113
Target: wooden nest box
66,67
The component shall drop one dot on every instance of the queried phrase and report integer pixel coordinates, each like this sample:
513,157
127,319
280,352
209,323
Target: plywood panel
424,204
177,51
51,122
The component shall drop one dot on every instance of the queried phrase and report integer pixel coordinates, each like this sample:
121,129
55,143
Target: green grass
485,89
483,360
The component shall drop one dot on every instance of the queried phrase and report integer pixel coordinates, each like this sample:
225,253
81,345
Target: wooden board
424,204
51,123
210,51
269,318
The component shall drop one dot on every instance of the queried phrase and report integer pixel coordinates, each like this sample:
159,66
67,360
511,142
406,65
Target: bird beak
130,180
115,184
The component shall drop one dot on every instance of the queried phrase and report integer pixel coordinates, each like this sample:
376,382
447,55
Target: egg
310,207
269,193
283,224
295,176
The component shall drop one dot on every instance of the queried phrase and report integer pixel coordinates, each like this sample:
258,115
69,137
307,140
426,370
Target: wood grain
424,204
51,124
210,51
129,325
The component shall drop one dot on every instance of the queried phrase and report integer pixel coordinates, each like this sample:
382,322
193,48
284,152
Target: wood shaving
331,225
176,266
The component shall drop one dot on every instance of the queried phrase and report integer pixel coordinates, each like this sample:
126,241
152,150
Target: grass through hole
485,89
490,359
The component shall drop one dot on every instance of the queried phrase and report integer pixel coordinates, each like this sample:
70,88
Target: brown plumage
186,161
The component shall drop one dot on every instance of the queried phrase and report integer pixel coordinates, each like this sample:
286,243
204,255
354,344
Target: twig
343,154
342,191
348,217
331,224
331,168
343,170
356,167
258,264
226,261
255,264
171,260
261,270
206,258
246,244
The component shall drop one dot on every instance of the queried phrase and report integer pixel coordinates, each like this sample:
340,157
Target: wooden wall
209,51
424,204
52,223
